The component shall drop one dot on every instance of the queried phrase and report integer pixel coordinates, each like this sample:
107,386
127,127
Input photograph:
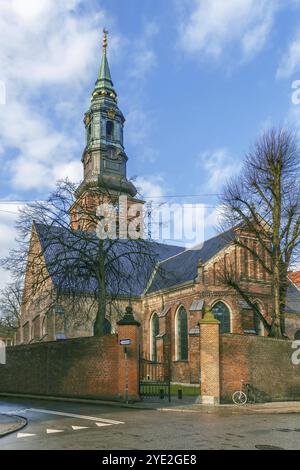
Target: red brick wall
263,362
128,371
209,361
81,367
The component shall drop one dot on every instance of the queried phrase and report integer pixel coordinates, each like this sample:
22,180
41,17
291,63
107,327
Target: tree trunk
99,322
101,311
283,295
275,331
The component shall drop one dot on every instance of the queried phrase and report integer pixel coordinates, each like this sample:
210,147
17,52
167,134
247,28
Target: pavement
62,425
189,404
11,423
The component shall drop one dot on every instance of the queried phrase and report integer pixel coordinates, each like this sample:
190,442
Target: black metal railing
155,380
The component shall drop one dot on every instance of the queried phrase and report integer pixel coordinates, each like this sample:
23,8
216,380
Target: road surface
65,425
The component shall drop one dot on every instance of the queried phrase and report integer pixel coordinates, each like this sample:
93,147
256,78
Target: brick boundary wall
264,363
81,367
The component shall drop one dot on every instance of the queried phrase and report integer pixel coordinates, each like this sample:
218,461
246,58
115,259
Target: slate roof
68,273
183,267
293,299
174,264
295,278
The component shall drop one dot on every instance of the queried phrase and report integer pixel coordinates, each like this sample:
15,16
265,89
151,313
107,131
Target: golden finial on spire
104,43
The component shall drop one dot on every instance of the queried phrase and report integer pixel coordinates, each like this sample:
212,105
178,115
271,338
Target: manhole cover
267,447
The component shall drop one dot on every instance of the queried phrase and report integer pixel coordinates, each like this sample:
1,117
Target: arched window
258,324
154,331
107,327
44,327
32,332
297,335
109,129
89,133
222,313
181,335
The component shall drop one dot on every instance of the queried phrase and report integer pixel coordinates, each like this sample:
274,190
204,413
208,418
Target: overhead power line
21,201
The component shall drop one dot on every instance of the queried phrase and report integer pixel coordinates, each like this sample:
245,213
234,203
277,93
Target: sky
198,81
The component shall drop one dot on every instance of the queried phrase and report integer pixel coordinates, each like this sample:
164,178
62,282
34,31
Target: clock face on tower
112,154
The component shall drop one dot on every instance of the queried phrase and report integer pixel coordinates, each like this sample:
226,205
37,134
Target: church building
169,301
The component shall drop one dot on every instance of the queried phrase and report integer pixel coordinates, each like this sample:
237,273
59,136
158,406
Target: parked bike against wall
244,395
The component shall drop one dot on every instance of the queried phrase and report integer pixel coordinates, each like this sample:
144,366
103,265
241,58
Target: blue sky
198,81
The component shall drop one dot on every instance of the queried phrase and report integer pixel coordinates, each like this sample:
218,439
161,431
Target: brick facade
264,363
40,324
209,359
82,367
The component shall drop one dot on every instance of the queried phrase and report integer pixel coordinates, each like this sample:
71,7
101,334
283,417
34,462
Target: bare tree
10,305
79,255
264,200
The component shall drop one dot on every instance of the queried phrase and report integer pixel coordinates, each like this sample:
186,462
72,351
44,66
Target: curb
156,406
20,424
138,406
232,411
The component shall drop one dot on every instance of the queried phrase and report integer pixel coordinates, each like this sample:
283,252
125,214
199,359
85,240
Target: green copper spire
104,85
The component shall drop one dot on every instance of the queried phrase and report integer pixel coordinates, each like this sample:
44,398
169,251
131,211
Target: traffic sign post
126,342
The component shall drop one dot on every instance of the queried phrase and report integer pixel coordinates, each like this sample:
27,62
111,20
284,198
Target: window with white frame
154,331
222,313
181,335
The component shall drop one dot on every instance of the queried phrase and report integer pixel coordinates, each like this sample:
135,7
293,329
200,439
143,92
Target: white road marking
71,415
102,424
53,431
23,434
76,428
22,410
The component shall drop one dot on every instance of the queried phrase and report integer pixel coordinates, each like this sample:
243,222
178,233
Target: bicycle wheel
239,397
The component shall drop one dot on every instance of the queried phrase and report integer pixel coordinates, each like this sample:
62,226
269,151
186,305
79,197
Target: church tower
104,158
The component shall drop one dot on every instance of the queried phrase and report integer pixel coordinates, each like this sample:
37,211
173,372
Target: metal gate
155,380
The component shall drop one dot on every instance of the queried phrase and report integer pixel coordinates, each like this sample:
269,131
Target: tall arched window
258,324
44,327
154,331
109,129
32,332
89,133
222,313
181,335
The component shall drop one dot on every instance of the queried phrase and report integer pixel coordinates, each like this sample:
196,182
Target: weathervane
104,43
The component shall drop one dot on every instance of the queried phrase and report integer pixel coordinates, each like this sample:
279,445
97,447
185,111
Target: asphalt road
61,425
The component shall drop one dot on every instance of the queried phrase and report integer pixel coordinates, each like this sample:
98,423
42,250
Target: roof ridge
193,247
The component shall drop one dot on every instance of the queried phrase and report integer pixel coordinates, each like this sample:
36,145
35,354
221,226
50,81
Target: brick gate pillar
129,329
209,358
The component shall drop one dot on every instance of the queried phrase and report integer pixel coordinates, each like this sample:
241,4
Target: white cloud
154,186
292,119
219,166
8,216
143,60
210,27
290,62
213,217
42,151
47,52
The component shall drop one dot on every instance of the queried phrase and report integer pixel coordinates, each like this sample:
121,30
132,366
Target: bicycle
241,397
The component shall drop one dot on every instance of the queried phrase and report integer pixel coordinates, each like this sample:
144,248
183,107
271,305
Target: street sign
125,342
